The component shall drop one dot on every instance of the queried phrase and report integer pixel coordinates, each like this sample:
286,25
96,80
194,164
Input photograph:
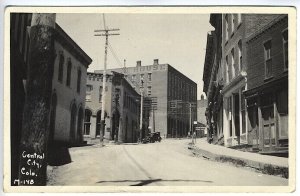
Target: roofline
149,65
62,36
259,32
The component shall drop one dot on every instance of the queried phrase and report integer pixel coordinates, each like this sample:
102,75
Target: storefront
267,107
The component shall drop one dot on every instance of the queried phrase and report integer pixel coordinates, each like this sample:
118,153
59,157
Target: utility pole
124,67
141,112
35,125
106,33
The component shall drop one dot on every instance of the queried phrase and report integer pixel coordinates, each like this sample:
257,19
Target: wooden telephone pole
106,34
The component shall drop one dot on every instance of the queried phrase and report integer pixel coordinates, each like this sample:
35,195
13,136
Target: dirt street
166,163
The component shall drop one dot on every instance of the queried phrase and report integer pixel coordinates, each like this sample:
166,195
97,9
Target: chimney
155,62
139,63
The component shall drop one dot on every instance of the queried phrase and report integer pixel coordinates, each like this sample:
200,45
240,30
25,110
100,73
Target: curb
265,168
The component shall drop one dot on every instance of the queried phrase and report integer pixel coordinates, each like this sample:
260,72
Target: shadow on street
147,182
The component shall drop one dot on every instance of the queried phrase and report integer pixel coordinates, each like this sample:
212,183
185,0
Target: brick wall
255,52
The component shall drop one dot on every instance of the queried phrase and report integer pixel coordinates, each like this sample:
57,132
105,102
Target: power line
114,55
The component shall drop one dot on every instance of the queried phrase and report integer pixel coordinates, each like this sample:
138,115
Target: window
149,76
88,97
227,70
142,77
78,80
226,27
239,19
100,93
282,106
268,59
124,100
285,49
69,73
133,78
149,90
61,67
233,68
89,88
240,55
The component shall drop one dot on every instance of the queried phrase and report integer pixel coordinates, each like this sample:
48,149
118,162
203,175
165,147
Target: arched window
78,80
69,72
98,123
79,124
87,122
61,66
73,122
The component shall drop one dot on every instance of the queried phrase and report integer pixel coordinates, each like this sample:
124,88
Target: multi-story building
122,107
267,87
236,29
68,86
201,108
68,90
213,81
173,96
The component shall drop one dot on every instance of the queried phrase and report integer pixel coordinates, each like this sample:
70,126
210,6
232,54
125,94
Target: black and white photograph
170,99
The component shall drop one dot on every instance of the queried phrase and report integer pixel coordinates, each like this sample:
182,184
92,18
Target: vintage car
152,137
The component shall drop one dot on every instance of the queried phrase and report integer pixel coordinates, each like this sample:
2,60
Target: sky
175,39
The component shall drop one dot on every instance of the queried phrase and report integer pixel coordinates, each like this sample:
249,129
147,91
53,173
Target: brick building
267,92
213,80
68,86
122,107
174,94
236,29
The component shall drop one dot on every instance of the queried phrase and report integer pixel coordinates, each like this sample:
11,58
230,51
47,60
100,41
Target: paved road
166,163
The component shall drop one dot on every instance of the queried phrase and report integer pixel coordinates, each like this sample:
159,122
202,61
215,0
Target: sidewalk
267,164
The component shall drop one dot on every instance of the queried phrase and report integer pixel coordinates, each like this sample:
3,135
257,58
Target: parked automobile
152,137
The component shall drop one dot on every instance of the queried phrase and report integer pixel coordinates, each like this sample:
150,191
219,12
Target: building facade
172,94
122,107
68,90
213,81
267,92
236,29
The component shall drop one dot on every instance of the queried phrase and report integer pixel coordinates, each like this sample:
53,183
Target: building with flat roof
122,107
173,95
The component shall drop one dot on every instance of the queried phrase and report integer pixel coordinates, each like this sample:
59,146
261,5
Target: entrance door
268,121
98,123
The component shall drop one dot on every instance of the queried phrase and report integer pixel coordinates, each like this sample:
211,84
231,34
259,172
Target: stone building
267,87
236,29
173,95
68,86
122,107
